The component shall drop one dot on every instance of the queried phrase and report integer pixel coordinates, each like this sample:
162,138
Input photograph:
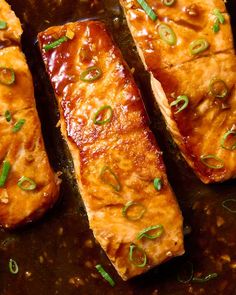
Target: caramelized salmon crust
115,154
28,186
189,52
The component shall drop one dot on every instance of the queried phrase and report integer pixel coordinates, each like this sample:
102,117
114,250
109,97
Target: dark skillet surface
57,254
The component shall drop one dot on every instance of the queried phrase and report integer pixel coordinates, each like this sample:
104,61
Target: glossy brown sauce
57,255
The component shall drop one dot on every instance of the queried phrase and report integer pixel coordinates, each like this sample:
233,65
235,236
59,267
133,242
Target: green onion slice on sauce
157,183
206,278
55,43
137,256
198,46
91,74
105,111
5,171
3,25
180,99
13,267
185,273
167,34
219,15
218,88
216,26
105,275
156,229
8,116
147,9
207,159
230,205
26,184
18,125
168,2
133,210
108,176
225,139
7,76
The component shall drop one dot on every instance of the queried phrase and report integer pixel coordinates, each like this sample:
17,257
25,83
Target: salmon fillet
28,186
204,79
116,157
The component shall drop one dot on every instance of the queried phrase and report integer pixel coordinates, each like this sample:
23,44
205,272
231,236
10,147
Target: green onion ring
5,172
157,183
203,159
13,267
105,275
3,25
91,74
168,2
180,98
198,46
185,273
224,204
134,247
144,233
223,93
205,279
167,34
216,26
31,184
55,43
224,139
219,15
7,76
147,9
18,125
8,116
131,204
117,186
99,111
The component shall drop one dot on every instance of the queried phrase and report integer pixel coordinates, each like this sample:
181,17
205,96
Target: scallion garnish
218,88
185,273
5,171
216,26
55,43
133,211
13,267
230,205
105,275
180,99
168,2
198,46
108,176
225,138
3,25
219,15
148,9
102,112
7,116
205,279
159,229
206,158
7,76
18,125
167,34
26,184
137,256
157,183
91,74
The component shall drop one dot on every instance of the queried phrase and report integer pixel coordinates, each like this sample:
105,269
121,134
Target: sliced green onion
225,138
8,116
137,256
107,109
105,275
137,208
7,76
180,98
144,233
206,278
55,44
13,267
205,158
109,177
185,273
167,34
148,9
230,205
26,184
198,46
216,26
218,88
219,15
91,74
18,125
3,25
5,171
168,2
157,184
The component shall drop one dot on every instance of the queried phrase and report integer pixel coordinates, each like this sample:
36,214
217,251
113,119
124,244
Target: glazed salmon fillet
135,219
188,49
28,186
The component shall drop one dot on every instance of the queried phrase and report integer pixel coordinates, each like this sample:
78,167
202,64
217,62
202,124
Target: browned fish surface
28,186
189,53
115,154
